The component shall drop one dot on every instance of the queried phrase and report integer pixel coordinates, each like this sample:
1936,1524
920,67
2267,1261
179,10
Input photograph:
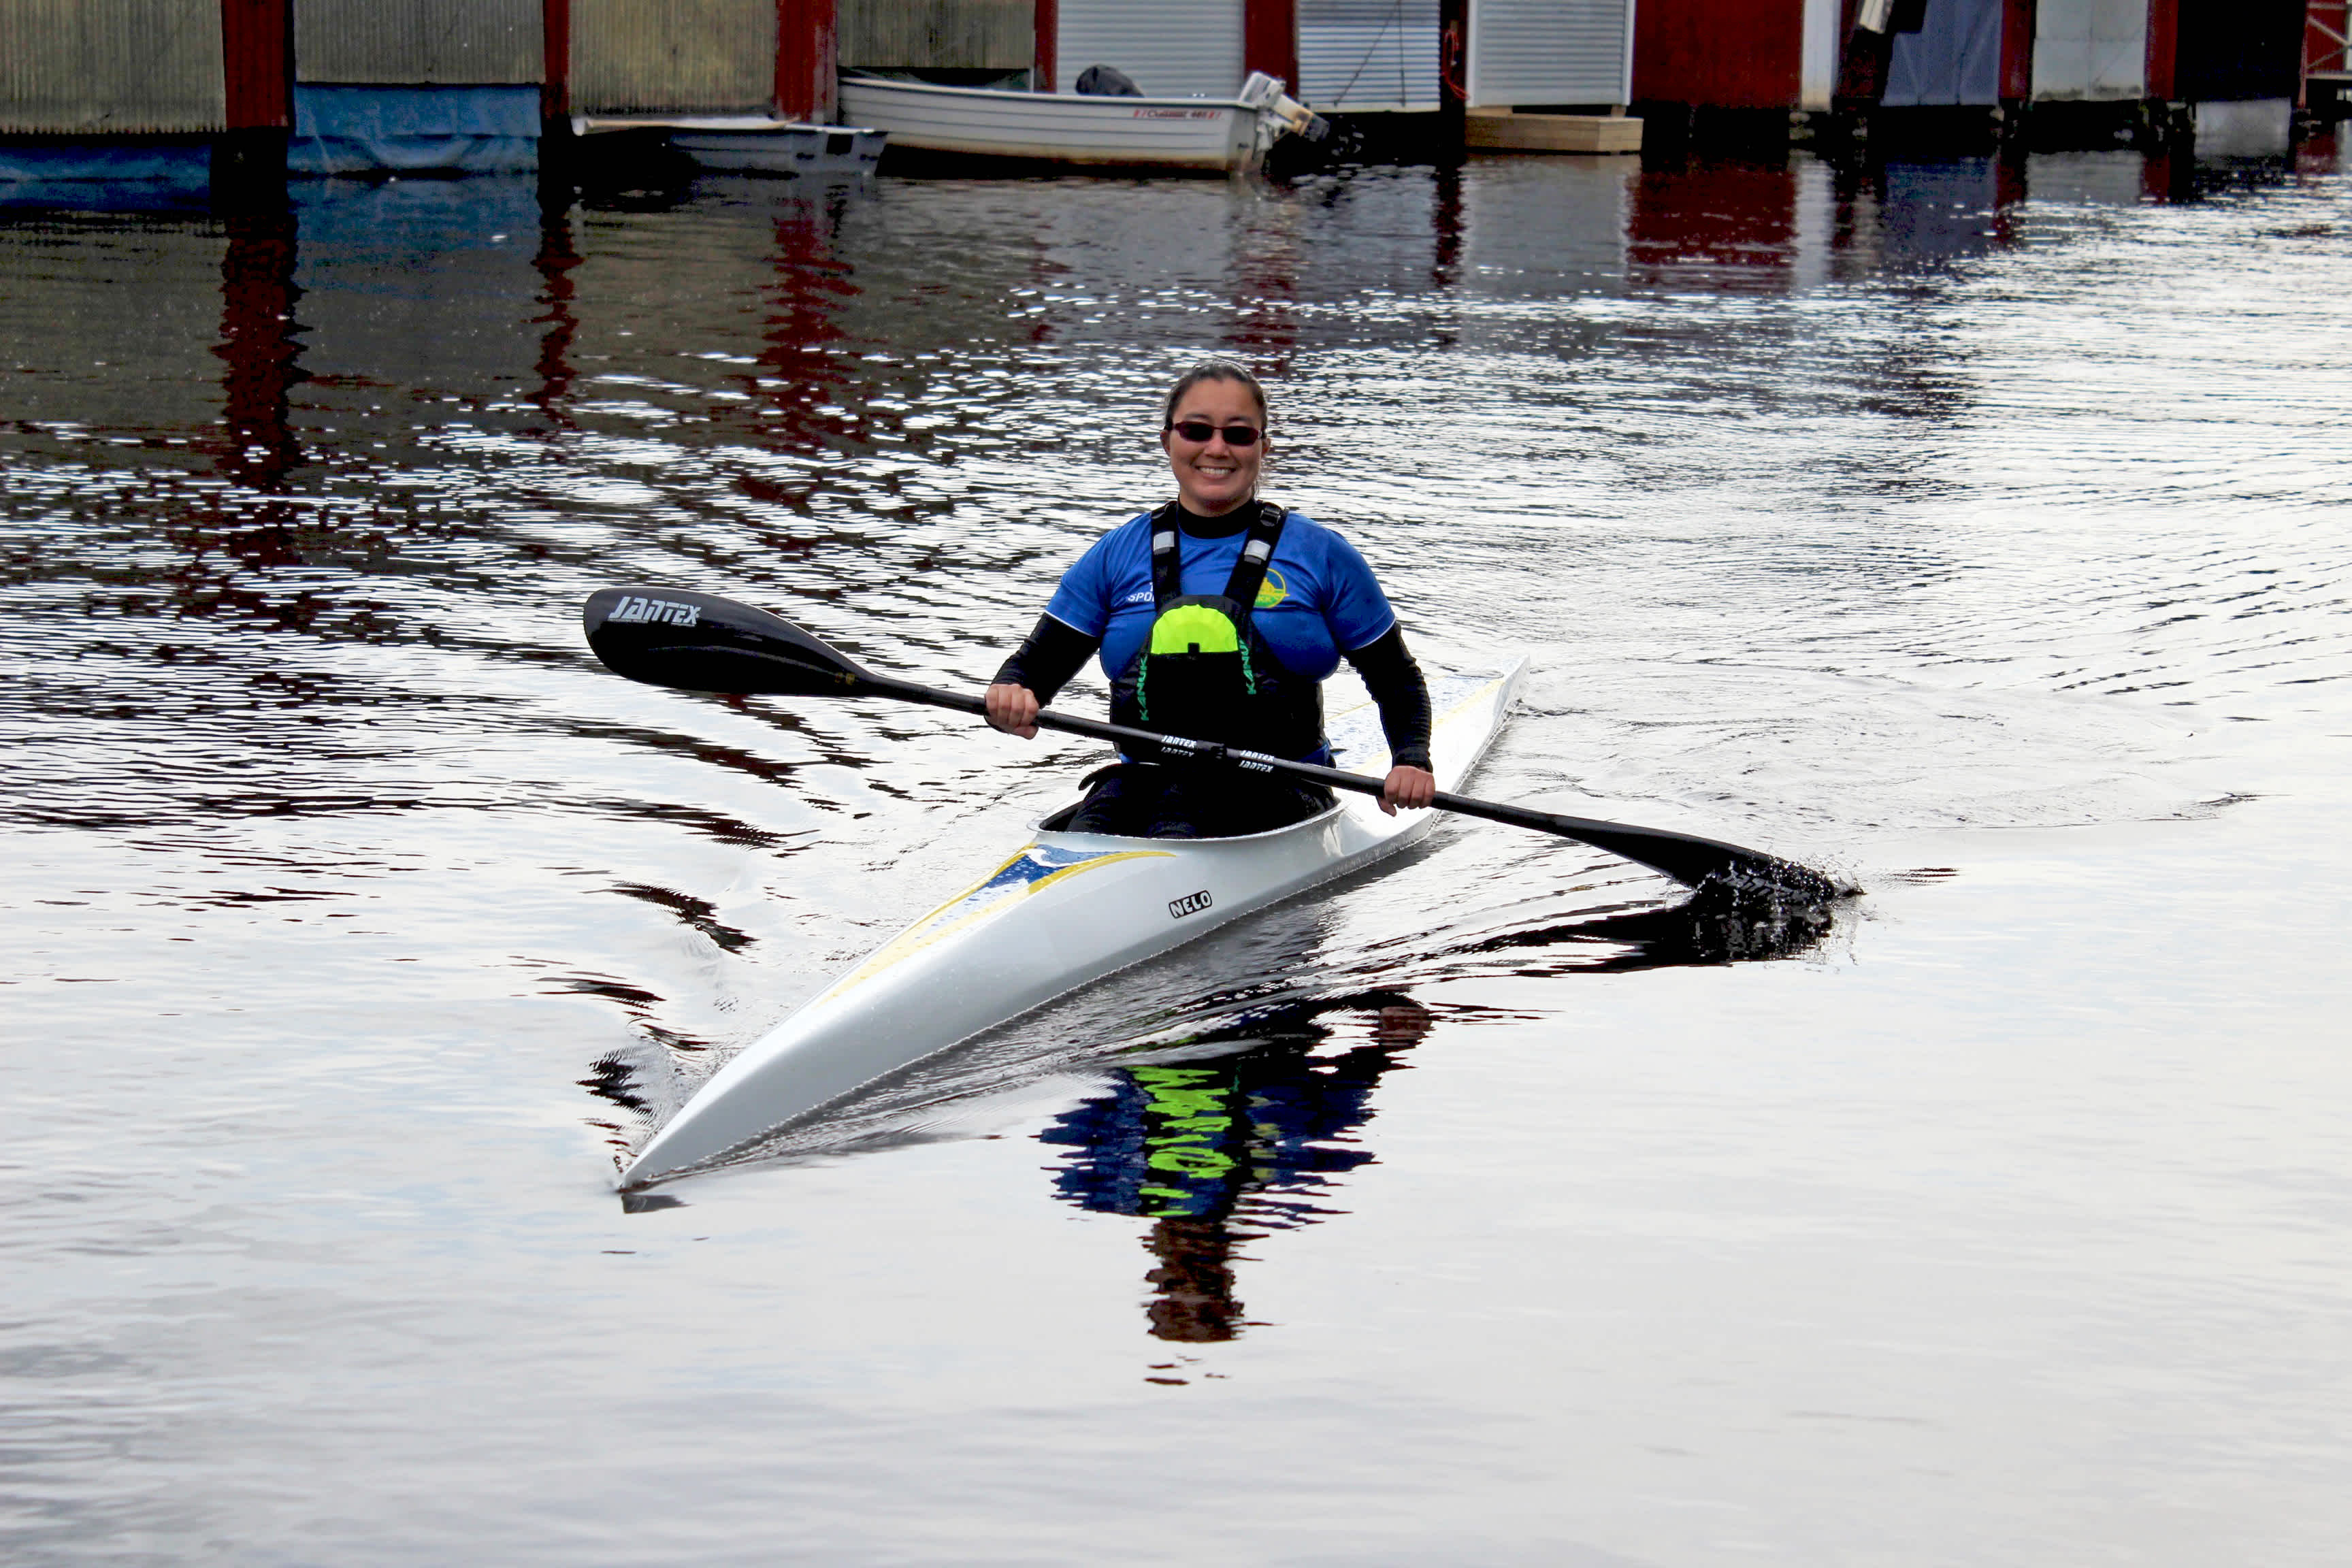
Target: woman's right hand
1013,710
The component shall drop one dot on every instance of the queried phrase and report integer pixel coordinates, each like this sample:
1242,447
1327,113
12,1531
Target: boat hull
751,143
1067,910
1203,134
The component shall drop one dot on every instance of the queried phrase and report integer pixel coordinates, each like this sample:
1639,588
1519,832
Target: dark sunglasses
1198,432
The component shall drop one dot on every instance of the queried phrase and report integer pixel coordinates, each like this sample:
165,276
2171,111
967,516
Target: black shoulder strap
1167,557
1257,554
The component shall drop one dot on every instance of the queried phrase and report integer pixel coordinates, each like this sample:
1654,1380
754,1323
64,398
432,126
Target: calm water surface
1977,532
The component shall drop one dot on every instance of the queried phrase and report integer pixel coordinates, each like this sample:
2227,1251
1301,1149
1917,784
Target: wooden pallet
1500,131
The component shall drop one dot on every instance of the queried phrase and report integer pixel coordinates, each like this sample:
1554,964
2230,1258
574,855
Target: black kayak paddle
700,642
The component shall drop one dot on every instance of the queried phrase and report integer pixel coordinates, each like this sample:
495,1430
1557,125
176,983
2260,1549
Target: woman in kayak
1219,617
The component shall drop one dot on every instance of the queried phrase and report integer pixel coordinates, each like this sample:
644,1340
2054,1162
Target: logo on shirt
1270,593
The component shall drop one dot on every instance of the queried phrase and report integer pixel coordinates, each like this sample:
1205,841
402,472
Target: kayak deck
1067,910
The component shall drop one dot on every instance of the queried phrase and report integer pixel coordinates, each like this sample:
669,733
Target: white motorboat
1209,135
751,143
1067,910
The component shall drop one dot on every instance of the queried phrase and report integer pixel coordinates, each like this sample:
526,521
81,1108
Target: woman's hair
1212,369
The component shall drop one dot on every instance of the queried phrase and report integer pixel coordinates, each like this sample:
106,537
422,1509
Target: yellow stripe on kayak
924,933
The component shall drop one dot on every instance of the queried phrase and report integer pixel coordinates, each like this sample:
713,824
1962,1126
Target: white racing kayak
1068,908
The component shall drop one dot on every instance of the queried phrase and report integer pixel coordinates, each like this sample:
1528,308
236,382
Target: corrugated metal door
100,66
419,42
673,57
1363,57
1954,57
1550,52
937,35
1192,50
2090,50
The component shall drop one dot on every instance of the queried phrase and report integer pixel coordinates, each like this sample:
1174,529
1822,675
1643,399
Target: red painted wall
257,59
555,35
807,60
1049,23
1270,40
2017,27
2163,47
2322,52
1725,54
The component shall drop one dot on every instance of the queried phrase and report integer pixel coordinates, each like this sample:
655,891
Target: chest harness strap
1199,624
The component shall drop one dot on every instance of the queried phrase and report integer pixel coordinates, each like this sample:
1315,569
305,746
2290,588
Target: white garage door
1550,51
1193,50
1365,56
2090,50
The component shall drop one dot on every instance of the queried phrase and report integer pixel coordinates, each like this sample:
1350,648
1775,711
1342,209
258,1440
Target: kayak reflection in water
1195,1145
1218,616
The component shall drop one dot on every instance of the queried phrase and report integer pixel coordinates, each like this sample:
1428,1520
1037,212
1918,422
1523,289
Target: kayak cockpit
1058,821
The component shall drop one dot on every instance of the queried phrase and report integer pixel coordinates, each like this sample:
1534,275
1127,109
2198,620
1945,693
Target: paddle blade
700,642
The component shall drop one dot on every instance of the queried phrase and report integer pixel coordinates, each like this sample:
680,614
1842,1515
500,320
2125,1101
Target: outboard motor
1108,81
1265,93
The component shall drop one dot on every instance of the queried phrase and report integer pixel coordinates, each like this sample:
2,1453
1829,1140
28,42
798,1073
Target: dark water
1979,532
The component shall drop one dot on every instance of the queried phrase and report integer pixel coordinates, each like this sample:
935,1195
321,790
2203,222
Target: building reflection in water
249,523
803,384
1737,218
557,259
259,350
1219,1152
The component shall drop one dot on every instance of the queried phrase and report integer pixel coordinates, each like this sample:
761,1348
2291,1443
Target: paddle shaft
1680,855
700,642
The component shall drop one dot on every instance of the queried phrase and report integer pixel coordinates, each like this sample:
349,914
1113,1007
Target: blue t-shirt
1318,599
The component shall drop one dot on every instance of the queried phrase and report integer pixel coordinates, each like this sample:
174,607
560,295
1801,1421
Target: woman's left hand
1407,787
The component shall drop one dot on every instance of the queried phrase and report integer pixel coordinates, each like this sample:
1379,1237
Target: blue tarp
378,130
1954,57
106,176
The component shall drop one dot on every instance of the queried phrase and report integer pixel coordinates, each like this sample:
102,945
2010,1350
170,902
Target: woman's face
1214,476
